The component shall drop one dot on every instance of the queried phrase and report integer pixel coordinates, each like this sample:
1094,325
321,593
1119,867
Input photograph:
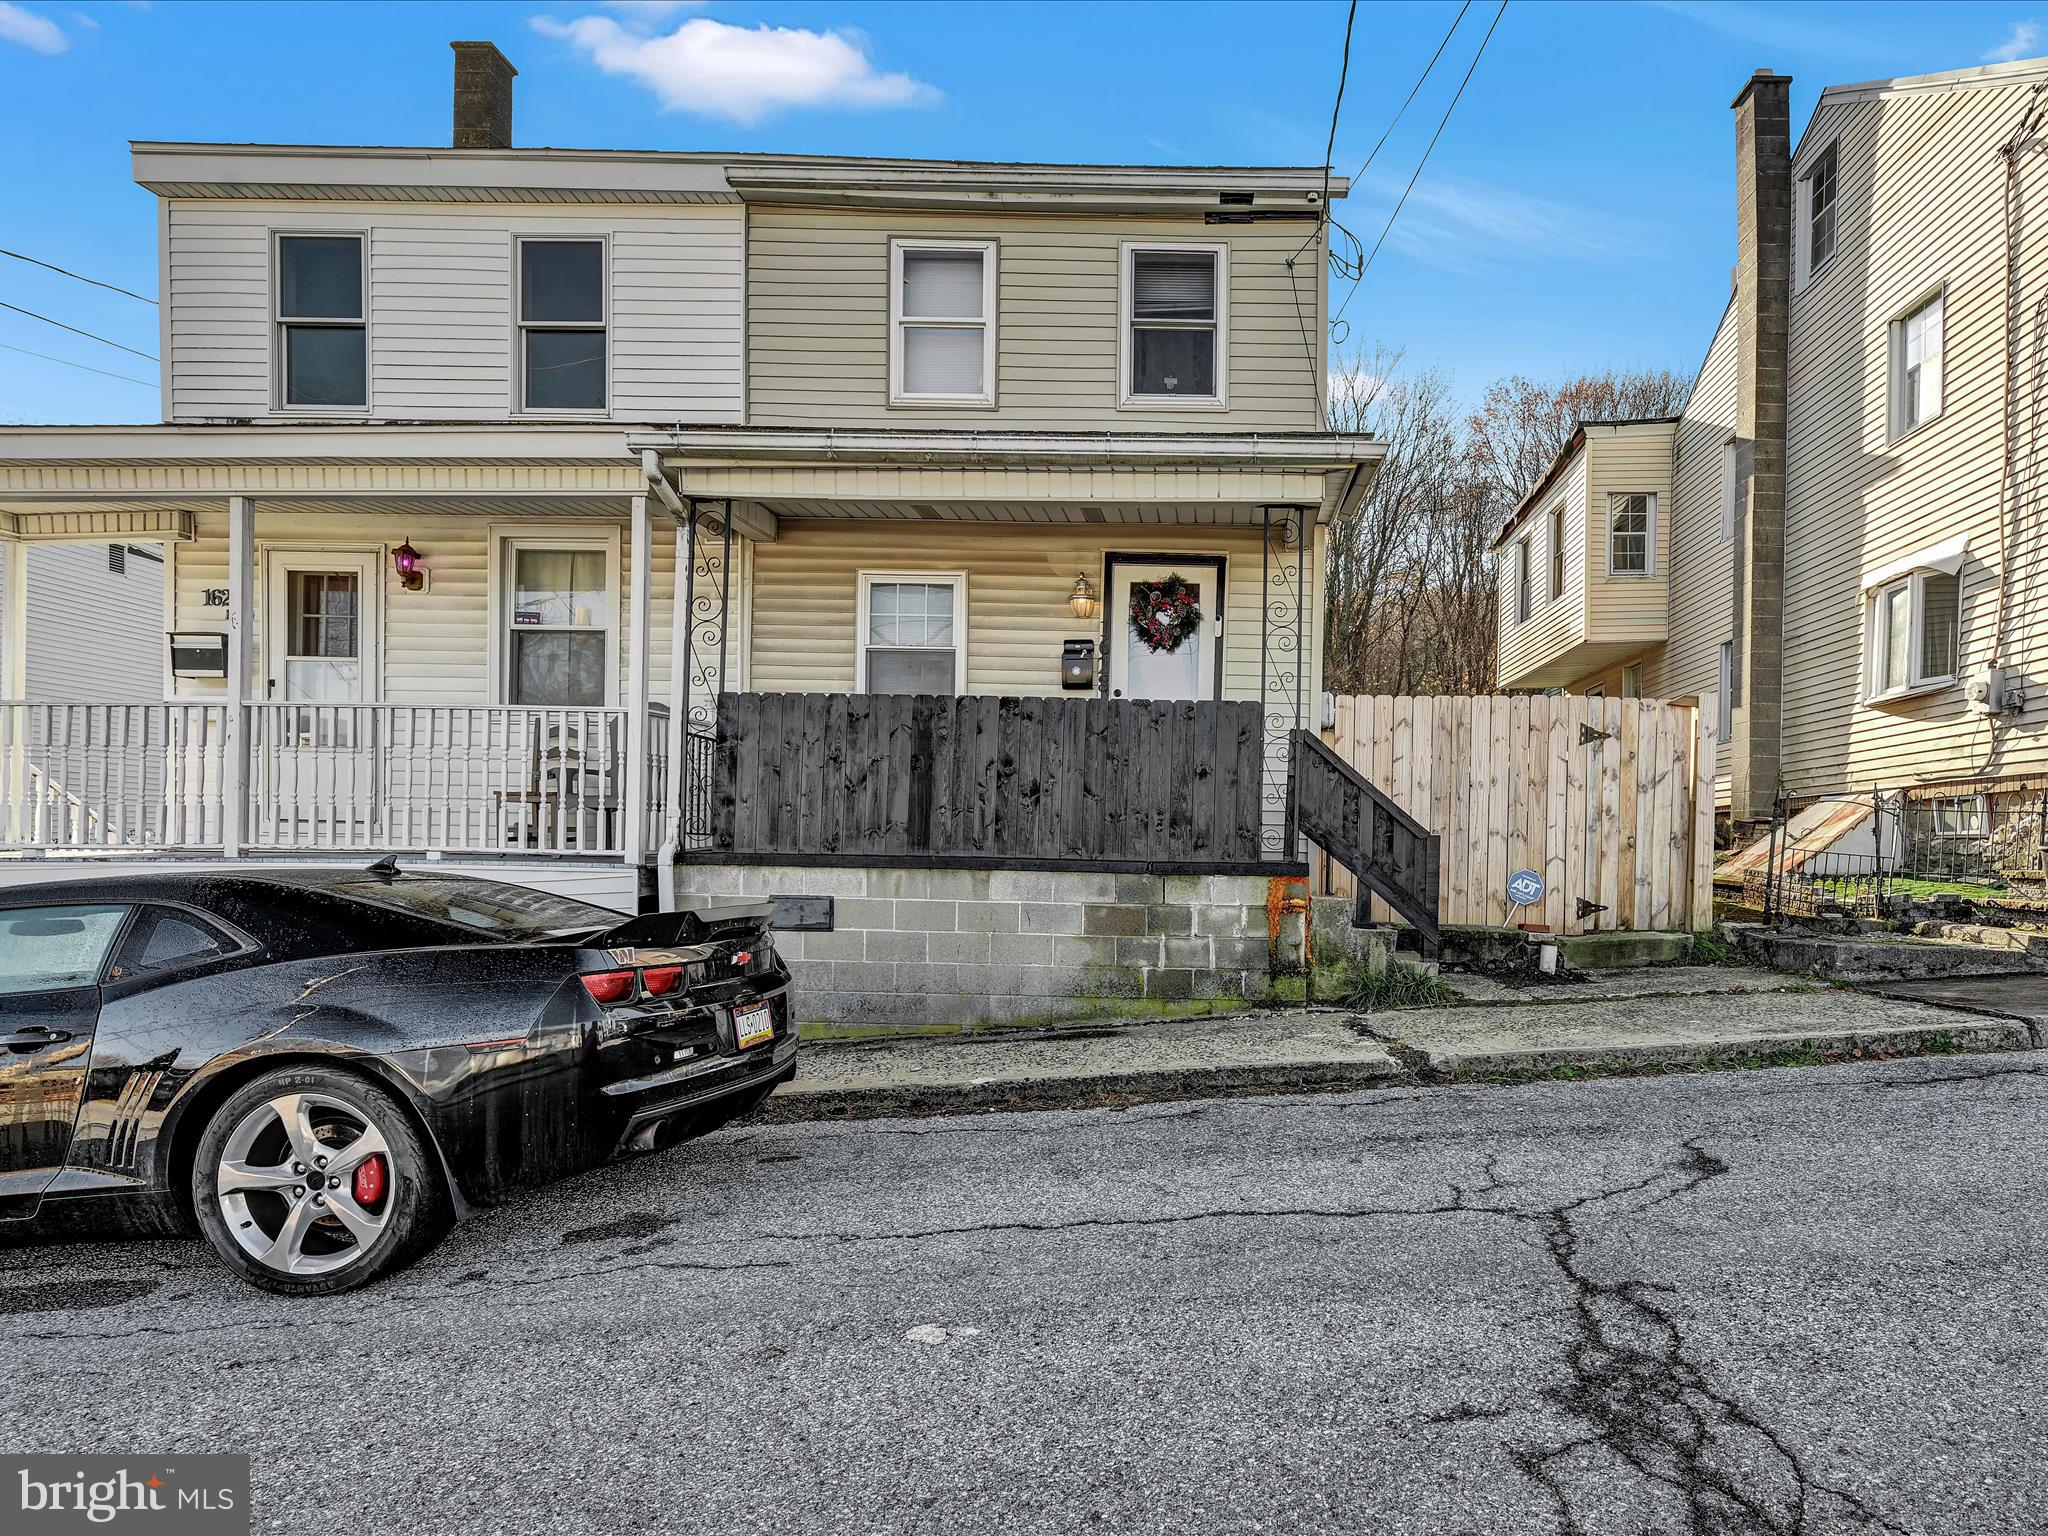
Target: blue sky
1577,212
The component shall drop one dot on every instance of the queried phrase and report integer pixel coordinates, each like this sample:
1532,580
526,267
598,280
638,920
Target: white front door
1140,670
314,773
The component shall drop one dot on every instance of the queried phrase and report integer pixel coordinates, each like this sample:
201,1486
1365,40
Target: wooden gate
1610,800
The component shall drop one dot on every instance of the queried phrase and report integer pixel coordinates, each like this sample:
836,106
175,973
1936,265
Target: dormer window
562,325
322,341
1176,324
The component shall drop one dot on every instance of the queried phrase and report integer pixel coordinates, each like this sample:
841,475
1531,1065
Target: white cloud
741,74
1478,230
649,12
2021,42
38,33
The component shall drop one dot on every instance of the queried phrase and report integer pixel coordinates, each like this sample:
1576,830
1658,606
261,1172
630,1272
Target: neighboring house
488,471
1841,535
93,621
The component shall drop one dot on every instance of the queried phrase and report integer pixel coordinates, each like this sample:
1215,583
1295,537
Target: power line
81,277
46,357
1502,11
1419,79
1337,106
146,356
1323,208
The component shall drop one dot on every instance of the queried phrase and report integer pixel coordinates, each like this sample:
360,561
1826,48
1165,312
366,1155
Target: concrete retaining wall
955,946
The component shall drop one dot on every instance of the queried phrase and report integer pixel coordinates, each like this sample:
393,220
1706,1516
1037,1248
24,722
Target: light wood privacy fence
1610,800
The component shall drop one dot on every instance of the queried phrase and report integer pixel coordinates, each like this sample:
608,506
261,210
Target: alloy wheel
304,1183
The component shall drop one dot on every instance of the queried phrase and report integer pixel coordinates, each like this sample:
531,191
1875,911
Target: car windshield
510,914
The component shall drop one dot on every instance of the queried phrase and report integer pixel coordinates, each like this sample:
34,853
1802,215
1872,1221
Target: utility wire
1502,11
46,357
1413,89
1323,208
81,277
147,356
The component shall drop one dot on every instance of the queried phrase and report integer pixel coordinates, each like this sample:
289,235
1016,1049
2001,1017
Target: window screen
1173,323
911,637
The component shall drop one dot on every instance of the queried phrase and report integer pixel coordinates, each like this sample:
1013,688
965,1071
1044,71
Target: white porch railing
111,775
342,777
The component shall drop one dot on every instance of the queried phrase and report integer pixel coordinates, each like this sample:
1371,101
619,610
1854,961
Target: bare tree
1408,604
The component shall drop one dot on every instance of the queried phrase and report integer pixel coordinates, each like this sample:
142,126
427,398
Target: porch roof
1020,476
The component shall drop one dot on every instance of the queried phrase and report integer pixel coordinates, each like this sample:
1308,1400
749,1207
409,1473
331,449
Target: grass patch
1907,885
1707,949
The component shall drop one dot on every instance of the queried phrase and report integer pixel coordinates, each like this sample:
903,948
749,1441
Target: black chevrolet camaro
323,1069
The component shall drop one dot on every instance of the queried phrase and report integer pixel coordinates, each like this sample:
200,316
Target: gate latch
1588,908
1588,735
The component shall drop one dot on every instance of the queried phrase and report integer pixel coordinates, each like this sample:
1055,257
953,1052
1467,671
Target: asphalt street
1778,1301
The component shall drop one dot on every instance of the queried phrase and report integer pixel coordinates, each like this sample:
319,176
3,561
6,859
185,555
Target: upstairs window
1175,326
1631,531
911,637
1916,366
323,345
1817,195
1724,690
1731,488
562,325
1523,582
1556,553
942,344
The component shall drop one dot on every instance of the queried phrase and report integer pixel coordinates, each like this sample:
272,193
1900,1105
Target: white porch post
14,685
678,720
241,629
640,619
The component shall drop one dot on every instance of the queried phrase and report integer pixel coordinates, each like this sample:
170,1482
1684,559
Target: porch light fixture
406,561
1083,598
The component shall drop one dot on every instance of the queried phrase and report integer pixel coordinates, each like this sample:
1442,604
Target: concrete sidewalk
1644,1020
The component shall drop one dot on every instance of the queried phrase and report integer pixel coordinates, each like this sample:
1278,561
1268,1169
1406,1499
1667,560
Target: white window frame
1649,571
1557,563
1632,680
1977,807
1895,365
1876,637
279,320
521,325
1219,401
506,540
1731,486
1802,215
985,399
1724,687
957,580
1525,580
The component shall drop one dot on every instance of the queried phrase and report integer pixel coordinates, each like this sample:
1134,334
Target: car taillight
660,980
608,986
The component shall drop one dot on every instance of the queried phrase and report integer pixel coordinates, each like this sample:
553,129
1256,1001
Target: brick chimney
1763,299
483,96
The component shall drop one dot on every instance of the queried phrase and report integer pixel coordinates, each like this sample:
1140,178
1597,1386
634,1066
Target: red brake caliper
368,1185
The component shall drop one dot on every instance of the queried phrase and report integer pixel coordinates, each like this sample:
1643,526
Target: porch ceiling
1210,513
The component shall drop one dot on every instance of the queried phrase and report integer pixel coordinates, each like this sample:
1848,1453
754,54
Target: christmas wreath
1164,612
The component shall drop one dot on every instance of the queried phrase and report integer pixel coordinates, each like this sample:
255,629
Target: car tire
284,1190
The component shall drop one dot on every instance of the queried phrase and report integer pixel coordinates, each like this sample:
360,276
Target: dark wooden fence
925,778
1356,823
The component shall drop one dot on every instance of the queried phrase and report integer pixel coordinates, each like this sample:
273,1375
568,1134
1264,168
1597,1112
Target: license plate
752,1025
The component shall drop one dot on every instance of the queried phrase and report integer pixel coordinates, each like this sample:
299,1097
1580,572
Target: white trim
1946,557
520,325
1219,401
167,375
1876,638
986,324
1731,486
279,320
1554,579
1525,579
865,580
505,537
1896,425
1649,571
1803,269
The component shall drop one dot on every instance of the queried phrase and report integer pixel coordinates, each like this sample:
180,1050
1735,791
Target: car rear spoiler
695,922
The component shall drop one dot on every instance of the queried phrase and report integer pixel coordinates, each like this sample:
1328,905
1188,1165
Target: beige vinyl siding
1921,206
1701,583
439,298
1623,461
818,320
437,644
1018,580
1528,652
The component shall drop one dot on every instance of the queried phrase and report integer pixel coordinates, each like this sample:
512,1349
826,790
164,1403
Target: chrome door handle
35,1034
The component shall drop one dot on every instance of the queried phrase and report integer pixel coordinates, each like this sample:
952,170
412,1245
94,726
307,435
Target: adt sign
1525,888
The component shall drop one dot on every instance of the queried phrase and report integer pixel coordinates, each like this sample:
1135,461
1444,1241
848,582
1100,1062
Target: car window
166,940
507,913
44,949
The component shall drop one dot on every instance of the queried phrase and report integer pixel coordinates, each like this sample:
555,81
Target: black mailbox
199,655
1077,664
